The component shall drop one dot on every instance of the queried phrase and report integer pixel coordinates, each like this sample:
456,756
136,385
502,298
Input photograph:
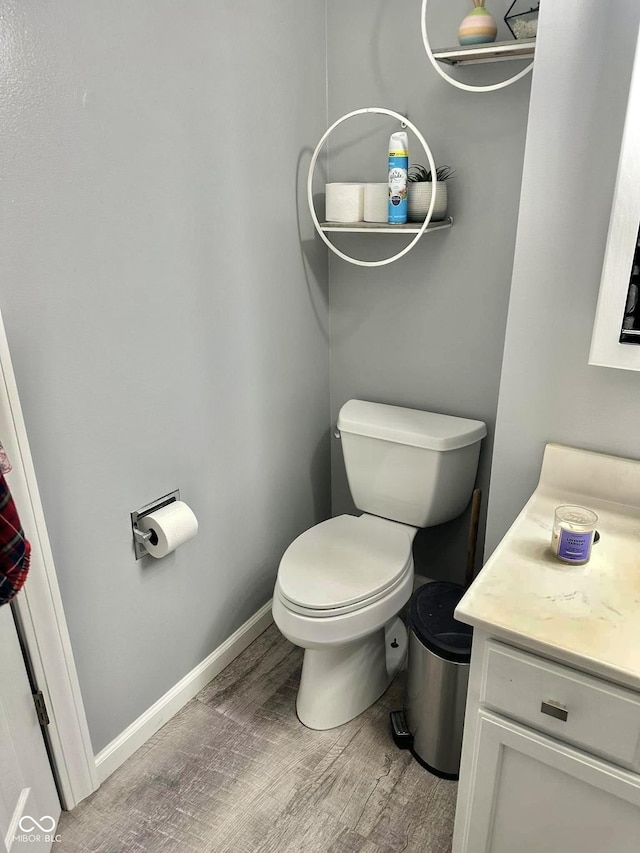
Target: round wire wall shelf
388,229
467,87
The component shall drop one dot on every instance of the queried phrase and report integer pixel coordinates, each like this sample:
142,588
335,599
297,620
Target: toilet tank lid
429,430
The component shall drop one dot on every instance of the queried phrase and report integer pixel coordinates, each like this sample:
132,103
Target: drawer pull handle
554,710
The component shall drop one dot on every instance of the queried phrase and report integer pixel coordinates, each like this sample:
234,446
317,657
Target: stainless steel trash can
437,679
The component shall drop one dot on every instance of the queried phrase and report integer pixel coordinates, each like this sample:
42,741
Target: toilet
342,583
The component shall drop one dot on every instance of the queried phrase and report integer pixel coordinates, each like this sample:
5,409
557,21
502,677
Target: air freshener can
398,177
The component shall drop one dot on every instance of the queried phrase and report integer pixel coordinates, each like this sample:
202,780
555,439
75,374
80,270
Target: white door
531,794
29,804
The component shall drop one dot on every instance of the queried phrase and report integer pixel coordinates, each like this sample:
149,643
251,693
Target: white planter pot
419,199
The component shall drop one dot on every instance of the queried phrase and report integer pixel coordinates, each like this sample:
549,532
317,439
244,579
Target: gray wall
548,392
167,328
428,330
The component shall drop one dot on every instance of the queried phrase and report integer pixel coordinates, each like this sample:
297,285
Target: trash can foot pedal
400,730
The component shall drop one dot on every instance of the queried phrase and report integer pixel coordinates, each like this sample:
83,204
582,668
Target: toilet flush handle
336,432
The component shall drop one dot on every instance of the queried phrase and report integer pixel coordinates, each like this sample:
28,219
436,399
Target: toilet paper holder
141,537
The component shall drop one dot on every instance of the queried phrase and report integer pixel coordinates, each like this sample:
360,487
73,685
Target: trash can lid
431,620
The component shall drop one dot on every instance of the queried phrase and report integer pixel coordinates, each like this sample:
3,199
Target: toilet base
338,683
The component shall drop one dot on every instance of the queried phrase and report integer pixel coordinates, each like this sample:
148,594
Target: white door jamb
39,613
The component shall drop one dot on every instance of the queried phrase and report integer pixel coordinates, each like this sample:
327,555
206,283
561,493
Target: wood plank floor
236,772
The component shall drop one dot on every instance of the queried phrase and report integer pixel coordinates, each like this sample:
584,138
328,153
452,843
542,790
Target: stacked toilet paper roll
376,202
344,202
170,526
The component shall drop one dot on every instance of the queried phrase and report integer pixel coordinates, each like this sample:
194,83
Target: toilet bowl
340,586
342,583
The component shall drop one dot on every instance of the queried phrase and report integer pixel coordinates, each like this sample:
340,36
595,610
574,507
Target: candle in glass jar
573,530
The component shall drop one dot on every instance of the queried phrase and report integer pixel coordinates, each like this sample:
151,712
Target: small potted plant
420,188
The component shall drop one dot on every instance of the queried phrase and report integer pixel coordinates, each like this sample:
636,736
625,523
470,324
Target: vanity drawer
576,708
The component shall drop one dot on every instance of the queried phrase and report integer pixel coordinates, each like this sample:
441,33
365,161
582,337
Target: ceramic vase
479,26
419,199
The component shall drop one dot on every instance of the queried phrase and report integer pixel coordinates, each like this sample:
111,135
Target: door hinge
41,708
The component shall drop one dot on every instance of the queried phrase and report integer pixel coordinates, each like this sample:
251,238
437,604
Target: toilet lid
343,561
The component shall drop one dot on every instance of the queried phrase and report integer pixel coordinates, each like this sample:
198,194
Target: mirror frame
606,349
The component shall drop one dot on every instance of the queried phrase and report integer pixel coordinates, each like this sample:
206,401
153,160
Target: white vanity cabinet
551,747
530,785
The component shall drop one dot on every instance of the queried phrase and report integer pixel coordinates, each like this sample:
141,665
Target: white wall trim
135,735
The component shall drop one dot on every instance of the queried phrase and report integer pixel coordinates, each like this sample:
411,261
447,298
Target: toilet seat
344,564
316,613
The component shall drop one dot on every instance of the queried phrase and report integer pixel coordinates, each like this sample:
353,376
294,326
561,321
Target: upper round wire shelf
467,87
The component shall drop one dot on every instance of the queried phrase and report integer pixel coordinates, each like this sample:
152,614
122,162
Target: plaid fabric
5,465
14,548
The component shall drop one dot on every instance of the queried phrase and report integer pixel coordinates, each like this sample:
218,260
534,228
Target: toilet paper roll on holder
141,537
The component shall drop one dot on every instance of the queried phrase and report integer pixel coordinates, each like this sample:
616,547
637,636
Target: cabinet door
531,794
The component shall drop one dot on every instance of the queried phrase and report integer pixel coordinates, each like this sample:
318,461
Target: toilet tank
415,467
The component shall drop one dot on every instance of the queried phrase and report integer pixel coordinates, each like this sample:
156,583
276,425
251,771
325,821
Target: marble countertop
586,615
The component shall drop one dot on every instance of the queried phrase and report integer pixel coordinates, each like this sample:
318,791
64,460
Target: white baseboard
147,724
